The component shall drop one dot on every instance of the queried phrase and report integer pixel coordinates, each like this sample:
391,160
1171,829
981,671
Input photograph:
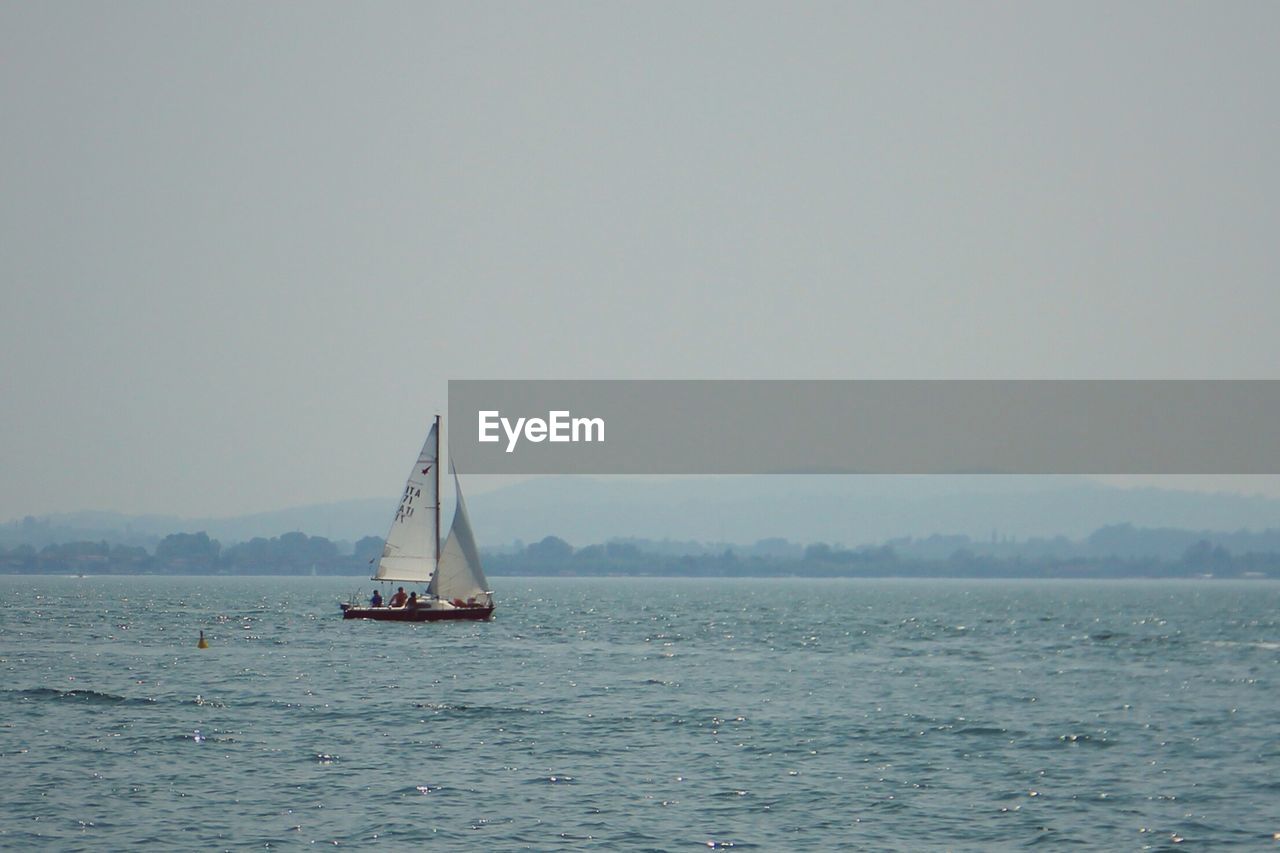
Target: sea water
642,714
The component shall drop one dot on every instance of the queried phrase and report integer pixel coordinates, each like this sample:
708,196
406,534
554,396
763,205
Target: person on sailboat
399,598
375,600
413,599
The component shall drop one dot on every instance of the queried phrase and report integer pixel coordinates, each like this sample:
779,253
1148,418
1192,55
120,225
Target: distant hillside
847,510
347,521
850,511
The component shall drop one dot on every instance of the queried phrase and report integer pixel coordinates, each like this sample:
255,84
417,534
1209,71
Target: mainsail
412,543
459,574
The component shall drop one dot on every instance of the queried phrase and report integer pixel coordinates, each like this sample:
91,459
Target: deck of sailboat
419,613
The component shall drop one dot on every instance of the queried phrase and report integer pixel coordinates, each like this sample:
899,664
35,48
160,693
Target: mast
437,527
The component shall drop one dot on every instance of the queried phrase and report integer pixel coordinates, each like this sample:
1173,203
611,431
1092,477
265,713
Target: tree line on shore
298,553
554,556
196,554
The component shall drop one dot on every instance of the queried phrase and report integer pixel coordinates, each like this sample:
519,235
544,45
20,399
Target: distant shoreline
562,576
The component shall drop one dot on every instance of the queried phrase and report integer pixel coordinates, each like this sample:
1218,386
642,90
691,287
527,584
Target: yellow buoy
202,644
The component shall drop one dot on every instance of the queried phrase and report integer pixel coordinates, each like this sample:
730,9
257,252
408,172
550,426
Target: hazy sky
244,245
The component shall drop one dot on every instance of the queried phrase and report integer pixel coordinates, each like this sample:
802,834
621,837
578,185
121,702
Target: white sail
410,551
459,575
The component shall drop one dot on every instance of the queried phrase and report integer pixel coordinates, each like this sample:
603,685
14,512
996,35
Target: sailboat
455,584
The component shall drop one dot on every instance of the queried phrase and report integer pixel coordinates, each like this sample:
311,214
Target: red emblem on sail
425,470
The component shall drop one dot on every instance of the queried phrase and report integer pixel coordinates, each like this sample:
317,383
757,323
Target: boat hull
418,614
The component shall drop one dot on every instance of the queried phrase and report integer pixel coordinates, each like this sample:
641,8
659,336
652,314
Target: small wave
554,779
198,736
1086,740
92,697
477,710
981,731
1260,644
439,706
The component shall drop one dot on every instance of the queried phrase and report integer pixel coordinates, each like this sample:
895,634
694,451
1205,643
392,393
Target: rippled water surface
642,714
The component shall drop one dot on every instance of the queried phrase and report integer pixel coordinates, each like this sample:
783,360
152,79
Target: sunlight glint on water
643,714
